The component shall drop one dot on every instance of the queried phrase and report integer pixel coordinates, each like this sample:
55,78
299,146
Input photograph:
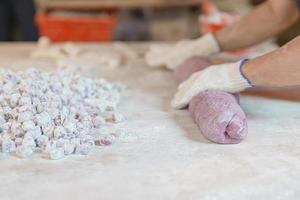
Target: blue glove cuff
242,73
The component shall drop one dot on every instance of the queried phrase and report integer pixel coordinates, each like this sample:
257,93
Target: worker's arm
276,69
279,68
265,21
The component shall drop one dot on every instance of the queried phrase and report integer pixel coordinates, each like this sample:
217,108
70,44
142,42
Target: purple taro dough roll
217,113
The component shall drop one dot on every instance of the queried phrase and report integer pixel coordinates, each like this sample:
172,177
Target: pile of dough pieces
68,53
59,113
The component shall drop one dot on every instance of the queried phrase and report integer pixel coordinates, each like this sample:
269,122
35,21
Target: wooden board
104,4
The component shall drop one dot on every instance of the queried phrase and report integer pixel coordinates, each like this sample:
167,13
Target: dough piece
51,52
109,58
126,51
47,50
44,42
154,56
69,53
217,113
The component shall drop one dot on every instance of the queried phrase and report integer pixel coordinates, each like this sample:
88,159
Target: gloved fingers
190,81
184,43
182,53
173,57
159,48
154,60
180,100
184,95
178,58
178,53
169,55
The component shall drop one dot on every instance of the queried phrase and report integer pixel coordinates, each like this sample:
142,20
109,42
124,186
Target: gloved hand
225,77
172,56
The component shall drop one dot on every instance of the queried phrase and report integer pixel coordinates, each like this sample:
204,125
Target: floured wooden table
164,156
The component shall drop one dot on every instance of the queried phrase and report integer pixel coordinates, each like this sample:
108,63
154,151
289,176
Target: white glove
172,56
226,77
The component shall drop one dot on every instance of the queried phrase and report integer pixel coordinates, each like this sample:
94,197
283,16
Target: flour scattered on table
59,113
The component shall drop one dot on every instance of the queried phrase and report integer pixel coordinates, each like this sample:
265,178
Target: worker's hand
225,77
172,56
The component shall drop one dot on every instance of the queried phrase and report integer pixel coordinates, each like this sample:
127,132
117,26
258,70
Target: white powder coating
59,113
163,156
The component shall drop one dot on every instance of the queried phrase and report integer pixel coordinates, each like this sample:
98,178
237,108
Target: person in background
279,68
132,26
22,12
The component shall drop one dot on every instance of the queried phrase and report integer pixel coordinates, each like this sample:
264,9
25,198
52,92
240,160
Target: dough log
217,113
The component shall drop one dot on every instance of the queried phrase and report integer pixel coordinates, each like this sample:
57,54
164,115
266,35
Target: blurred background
122,20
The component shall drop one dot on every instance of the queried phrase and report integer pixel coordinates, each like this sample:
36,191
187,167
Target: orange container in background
209,27
213,20
76,28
